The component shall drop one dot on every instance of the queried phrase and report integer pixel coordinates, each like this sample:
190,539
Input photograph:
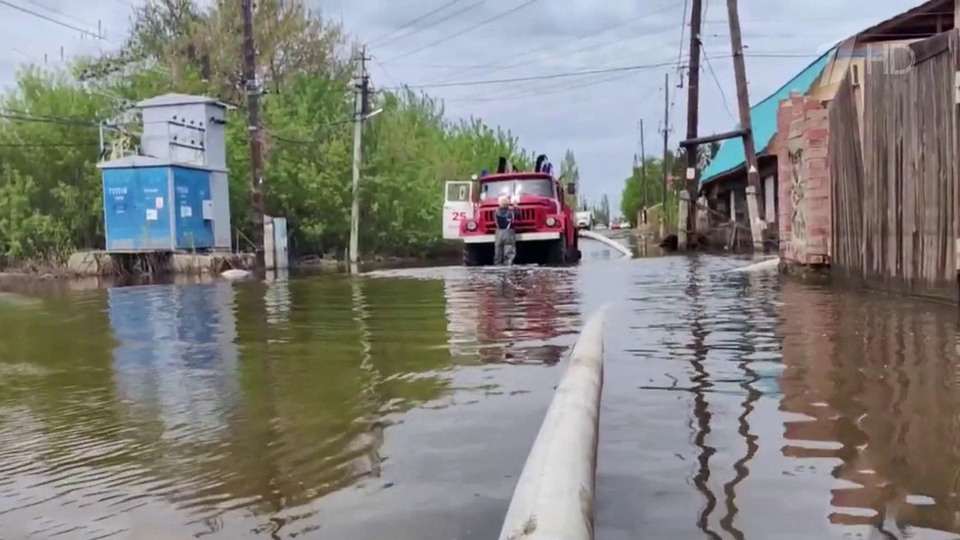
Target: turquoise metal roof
763,116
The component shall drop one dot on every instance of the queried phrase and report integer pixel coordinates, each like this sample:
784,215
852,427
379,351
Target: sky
463,52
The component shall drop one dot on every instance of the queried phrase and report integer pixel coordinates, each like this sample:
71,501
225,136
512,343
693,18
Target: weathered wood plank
895,174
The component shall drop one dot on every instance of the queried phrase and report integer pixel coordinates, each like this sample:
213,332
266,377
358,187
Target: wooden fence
894,190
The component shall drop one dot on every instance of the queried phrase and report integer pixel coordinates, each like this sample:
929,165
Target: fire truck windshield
496,188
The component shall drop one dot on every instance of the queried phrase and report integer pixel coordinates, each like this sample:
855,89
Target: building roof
924,20
763,117
177,99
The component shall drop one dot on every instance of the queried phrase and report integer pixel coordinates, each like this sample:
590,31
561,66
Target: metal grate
526,222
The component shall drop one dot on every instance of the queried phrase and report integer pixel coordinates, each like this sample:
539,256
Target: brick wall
804,185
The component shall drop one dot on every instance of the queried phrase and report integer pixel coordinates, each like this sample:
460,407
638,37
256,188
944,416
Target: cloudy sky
471,41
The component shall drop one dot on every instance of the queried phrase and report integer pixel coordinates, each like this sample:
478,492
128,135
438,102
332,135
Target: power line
683,29
385,71
515,63
542,77
48,145
706,58
464,31
51,19
555,90
435,23
723,95
584,72
48,120
58,12
413,22
612,64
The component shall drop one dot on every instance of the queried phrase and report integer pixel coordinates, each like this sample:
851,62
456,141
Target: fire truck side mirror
572,188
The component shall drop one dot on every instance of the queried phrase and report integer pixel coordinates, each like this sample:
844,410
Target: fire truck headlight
471,225
551,221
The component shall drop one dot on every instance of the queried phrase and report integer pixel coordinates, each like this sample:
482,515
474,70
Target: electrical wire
633,54
385,71
436,22
412,22
513,58
51,19
547,92
58,12
48,145
723,95
540,77
464,31
47,120
706,59
683,30
581,73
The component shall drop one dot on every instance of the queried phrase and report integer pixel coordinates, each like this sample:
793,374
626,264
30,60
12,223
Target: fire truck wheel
556,252
474,255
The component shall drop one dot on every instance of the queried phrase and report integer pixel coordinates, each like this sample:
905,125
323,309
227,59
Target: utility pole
693,114
643,173
956,14
663,164
750,152
254,131
361,89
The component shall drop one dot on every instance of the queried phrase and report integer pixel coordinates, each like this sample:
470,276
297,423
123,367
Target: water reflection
875,384
735,406
520,316
201,400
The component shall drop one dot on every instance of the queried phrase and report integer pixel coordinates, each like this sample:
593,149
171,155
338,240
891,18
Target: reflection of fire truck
546,230
528,316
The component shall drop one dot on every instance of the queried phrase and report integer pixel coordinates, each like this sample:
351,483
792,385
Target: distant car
615,226
585,220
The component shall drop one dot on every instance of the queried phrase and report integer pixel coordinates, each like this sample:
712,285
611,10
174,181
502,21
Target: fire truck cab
546,229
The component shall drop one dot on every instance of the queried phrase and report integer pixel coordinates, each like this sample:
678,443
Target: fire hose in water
610,242
554,496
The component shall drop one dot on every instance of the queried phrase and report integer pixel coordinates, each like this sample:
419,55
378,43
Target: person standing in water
505,246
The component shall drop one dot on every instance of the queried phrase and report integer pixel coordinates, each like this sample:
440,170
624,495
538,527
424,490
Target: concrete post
756,224
554,496
684,213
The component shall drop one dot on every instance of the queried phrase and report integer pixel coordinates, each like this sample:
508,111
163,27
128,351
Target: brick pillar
804,180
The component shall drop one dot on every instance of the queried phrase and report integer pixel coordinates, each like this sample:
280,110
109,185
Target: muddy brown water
402,405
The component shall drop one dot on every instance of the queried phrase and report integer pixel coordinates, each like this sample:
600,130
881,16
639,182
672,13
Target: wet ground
402,405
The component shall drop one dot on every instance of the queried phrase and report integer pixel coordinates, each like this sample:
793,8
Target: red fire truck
546,229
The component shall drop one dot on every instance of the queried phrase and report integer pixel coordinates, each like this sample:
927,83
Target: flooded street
401,405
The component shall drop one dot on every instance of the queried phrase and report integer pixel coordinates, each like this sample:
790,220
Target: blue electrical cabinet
152,205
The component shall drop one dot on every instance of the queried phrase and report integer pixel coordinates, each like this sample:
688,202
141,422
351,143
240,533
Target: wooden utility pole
693,115
750,152
643,174
361,88
663,164
254,131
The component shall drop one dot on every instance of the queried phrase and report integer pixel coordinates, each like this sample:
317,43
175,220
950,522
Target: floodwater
401,405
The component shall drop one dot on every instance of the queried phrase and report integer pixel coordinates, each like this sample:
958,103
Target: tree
601,212
570,174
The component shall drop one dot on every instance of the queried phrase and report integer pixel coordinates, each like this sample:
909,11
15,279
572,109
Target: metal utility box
275,243
185,129
153,205
176,196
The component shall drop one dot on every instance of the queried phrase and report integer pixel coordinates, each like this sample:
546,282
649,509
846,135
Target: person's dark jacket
505,218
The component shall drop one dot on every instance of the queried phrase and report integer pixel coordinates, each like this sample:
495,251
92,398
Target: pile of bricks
804,180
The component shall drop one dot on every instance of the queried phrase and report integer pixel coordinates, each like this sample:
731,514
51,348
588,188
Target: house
883,46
